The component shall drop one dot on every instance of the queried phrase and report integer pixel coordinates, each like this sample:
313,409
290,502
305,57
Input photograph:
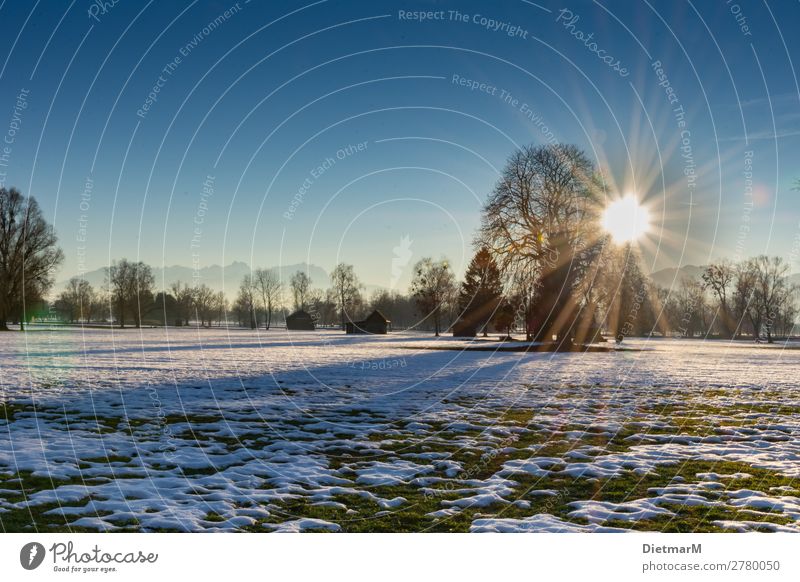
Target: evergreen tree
627,294
481,292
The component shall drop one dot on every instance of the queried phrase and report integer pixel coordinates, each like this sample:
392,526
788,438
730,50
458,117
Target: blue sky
332,131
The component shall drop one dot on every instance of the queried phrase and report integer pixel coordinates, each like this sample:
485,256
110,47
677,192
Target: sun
626,220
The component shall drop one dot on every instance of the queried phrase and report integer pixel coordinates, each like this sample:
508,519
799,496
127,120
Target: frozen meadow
186,429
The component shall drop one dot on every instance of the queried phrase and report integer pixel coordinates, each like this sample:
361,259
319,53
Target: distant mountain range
672,277
215,276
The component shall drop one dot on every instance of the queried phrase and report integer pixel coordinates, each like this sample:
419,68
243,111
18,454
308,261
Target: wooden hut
464,328
375,322
300,321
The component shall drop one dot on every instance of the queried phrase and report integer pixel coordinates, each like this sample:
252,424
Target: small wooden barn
300,321
375,322
464,328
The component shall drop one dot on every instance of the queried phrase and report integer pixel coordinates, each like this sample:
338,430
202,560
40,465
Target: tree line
543,266
751,298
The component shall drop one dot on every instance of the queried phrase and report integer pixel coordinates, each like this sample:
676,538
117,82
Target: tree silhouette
28,255
346,286
269,288
76,301
542,215
481,292
130,286
433,287
300,284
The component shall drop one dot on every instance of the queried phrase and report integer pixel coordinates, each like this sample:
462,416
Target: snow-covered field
186,429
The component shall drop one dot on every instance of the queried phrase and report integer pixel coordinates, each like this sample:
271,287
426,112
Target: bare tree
203,302
323,306
77,300
719,278
300,284
433,288
771,290
246,301
131,289
184,300
692,308
346,286
744,306
220,307
28,255
118,282
269,288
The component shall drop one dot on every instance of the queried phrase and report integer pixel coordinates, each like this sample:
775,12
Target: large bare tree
542,216
28,255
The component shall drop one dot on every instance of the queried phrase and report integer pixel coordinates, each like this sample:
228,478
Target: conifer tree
481,292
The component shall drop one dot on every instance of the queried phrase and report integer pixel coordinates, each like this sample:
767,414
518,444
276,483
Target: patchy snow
191,430
602,511
535,523
300,525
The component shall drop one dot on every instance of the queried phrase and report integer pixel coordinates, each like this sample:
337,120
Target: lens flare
626,220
